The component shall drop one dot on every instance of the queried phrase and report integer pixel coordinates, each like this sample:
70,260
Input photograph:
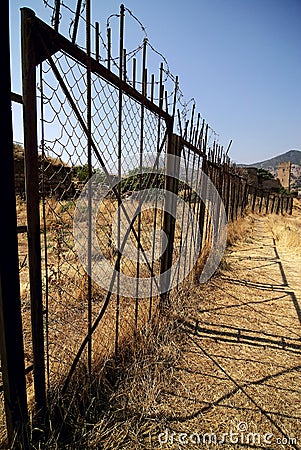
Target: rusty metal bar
109,48
171,186
44,229
291,204
281,208
156,166
11,336
120,103
179,123
97,52
166,102
161,88
32,201
278,204
273,203
57,15
124,64
22,229
152,87
16,98
145,82
286,203
232,197
197,130
175,97
238,197
134,72
228,193
267,203
261,201
191,123
76,21
141,145
90,172
245,197
254,199
228,148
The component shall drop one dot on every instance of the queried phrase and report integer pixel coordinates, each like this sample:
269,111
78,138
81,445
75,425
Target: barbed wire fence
118,138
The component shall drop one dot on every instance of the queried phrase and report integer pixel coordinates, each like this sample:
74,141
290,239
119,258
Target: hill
292,155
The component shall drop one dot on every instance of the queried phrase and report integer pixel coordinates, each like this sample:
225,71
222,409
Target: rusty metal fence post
254,199
171,187
29,61
291,204
11,336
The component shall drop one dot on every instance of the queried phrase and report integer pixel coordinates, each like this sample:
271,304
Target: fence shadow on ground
242,358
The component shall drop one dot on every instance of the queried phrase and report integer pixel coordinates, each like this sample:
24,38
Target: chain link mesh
64,171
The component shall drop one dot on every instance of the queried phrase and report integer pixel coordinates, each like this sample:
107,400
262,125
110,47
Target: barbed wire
186,106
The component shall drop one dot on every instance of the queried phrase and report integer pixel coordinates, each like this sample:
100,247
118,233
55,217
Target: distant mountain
294,156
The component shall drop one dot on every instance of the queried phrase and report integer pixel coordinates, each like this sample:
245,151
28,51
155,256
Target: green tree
264,174
145,176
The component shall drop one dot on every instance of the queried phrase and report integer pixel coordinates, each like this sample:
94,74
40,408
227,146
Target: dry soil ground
230,375
240,371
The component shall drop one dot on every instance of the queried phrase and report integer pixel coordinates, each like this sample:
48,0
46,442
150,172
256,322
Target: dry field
224,368
224,359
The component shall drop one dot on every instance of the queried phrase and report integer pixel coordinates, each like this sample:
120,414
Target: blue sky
239,59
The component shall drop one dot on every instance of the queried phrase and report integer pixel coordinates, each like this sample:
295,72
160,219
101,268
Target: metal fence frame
192,142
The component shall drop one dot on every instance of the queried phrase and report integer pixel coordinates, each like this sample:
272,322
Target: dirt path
238,379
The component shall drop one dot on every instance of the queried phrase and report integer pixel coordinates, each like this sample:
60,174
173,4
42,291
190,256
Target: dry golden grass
240,229
287,230
181,372
193,376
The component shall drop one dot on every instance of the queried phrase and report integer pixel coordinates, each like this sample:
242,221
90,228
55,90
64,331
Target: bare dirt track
227,375
240,371
224,369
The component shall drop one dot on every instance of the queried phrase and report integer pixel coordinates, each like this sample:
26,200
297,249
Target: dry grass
109,409
68,321
287,233
192,376
240,229
181,373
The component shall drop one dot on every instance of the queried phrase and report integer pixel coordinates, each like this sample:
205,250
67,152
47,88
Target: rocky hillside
294,156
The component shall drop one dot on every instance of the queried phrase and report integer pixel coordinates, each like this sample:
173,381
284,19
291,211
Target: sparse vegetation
162,377
264,174
286,231
132,399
